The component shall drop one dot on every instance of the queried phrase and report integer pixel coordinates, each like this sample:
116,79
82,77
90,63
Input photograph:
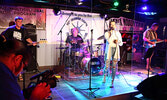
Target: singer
112,52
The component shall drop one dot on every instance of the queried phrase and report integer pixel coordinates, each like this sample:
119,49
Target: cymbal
99,44
101,37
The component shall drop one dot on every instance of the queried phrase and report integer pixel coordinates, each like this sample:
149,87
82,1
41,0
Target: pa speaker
154,87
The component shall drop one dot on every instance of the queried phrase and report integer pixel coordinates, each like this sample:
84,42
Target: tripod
90,70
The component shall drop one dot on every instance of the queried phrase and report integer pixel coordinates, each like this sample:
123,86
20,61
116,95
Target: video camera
46,76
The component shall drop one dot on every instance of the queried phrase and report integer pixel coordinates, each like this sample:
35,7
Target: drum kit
78,60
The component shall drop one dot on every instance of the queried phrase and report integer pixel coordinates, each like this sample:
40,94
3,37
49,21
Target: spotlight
144,8
116,4
148,13
126,8
56,11
78,2
42,1
144,0
102,15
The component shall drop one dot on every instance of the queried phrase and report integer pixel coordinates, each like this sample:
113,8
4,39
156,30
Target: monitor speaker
154,87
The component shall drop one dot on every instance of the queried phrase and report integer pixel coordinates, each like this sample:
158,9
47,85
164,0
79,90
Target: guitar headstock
165,40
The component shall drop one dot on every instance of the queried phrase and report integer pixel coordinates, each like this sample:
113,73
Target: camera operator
13,57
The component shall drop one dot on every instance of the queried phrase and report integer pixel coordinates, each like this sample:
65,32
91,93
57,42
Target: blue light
144,0
148,13
144,8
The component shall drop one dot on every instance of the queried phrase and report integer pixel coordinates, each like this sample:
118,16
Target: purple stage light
144,8
144,0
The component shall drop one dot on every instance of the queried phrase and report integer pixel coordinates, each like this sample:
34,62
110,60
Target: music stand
90,71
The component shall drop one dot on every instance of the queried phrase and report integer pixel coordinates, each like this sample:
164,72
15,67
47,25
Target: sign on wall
126,25
35,16
62,24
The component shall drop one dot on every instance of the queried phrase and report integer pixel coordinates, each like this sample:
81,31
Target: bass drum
95,64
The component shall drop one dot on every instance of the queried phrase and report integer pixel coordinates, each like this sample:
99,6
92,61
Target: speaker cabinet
33,64
154,87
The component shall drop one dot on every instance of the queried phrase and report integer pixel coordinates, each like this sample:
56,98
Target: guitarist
148,35
18,32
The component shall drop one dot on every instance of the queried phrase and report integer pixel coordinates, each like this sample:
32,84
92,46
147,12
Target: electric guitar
148,45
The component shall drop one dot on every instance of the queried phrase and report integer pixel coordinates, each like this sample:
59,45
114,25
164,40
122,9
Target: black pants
149,52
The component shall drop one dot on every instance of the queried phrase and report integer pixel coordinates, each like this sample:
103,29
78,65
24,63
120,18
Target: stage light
105,16
126,8
144,8
102,15
144,0
116,4
148,13
43,1
57,11
79,2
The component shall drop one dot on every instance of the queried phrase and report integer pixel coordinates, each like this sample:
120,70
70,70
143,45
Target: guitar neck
159,41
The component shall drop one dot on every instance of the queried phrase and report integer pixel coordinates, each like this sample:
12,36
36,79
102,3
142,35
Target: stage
77,87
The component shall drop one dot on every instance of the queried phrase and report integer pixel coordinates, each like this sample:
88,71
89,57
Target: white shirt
115,35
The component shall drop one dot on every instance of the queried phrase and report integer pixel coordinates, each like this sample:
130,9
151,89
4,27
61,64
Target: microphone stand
90,72
60,32
164,29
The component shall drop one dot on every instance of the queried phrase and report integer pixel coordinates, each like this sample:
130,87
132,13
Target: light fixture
42,1
79,2
57,11
144,8
114,5
148,13
126,8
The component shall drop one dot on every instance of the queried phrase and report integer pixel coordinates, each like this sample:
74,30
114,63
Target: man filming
14,56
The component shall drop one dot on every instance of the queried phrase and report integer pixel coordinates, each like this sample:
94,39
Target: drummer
74,40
